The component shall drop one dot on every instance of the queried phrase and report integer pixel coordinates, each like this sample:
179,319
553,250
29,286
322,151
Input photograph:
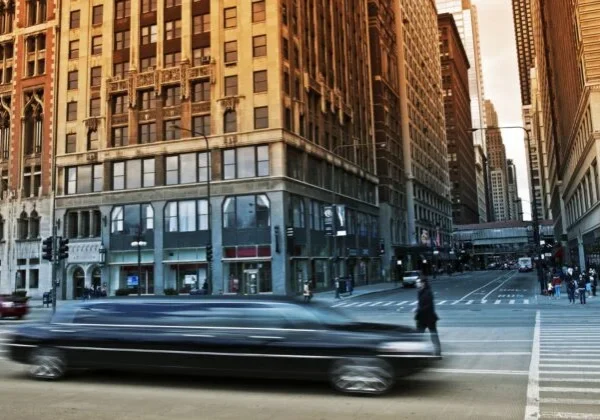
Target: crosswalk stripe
376,303
574,380
388,304
338,305
568,389
404,302
569,416
569,401
511,302
363,304
483,301
469,302
455,302
497,302
414,303
442,302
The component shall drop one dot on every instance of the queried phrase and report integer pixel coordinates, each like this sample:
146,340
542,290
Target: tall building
386,115
429,205
465,16
457,110
498,170
525,45
27,124
281,90
514,202
569,30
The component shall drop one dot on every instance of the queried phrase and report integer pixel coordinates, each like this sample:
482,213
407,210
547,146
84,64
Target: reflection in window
246,212
186,216
128,219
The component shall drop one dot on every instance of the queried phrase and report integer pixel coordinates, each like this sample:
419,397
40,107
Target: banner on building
340,221
328,220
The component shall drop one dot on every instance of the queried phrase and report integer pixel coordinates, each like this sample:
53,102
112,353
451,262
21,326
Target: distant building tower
514,202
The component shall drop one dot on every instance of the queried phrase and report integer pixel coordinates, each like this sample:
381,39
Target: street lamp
209,209
138,243
534,213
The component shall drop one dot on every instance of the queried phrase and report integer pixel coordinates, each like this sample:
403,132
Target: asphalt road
501,361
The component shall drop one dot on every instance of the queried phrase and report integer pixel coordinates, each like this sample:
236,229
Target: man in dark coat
425,314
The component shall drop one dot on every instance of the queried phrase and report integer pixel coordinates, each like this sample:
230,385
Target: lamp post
138,243
209,209
534,213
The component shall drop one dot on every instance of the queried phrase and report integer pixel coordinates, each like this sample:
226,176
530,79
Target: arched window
4,127
34,225
22,226
230,121
78,282
32,123
96,278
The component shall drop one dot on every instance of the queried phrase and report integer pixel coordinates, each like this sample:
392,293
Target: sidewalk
358,291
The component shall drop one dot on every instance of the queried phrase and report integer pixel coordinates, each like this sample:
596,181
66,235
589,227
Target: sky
501,82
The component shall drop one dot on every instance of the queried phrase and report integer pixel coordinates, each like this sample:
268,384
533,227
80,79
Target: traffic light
209,253
63,249
47,248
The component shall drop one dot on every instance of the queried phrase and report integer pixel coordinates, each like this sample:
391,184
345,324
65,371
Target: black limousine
275,338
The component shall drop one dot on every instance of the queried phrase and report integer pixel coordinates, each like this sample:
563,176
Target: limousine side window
103,313
298,317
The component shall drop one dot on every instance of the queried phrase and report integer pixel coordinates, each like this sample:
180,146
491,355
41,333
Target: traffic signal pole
55,260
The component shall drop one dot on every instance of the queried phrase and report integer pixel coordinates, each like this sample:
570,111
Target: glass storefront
188,277
247,278
128,278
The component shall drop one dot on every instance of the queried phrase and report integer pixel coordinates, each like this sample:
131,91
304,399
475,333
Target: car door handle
266,337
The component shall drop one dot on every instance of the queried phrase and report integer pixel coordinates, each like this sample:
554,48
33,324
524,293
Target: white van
525,265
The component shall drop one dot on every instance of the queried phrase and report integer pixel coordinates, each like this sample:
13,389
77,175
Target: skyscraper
497,157
465,16
270,107
525,45
457,109
514,202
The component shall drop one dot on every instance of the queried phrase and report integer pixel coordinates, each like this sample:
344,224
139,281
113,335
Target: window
246,162
286,49
204,167
186,216
72,80
258,11
297,209
147,133
119,104
187,168
173,29
260,81
231,86
149,34
148,172
120,69
231,52
121,40
147,63
230,122
259,46
201,56
32,123
261,117
84,179
71,143
133,174
74,19
201,124
148,6
120,136
96,45
72,111
97,12
34,278
147,100
172,95
201,23
94,107
36,12
93,141
172,3
201,91
36,63
230,17
122,9
172,59
128,219
96,76
171,130
246,212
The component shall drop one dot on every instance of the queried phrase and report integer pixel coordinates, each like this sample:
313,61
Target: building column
581,250
159,269
92,223
79,224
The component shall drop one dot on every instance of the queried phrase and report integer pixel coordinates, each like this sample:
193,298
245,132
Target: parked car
232,336
13,306
410,278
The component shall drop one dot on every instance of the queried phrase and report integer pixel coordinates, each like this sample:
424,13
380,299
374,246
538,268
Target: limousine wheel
47,363
362,376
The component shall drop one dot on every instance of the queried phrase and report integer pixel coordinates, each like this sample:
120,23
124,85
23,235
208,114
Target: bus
525,265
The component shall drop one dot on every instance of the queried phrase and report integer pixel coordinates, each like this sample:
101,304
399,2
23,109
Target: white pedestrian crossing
568,373
380,305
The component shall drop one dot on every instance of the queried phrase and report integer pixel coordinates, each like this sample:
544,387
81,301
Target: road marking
571,354
568,401
455,302
442,302
487,341
483,301
568,346
526,301
338,305
567,389
494,353
511,302
566,372
501,284
497,302
414,303
388,304
480,371
469,302
533,382
582,380
351,304
363,304
571,365
376,303
478,289
570,416
404,302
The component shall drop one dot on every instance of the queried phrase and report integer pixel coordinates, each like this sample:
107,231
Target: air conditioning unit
206,59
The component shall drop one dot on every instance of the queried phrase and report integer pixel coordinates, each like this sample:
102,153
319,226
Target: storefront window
246,212
247,278
128,219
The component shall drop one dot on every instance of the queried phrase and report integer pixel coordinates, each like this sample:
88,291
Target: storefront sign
328,220
340,221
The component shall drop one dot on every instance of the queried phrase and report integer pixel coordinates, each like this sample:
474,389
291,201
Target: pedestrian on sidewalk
556,282
307,292
594,282
337,288
581,289
425,313
571,287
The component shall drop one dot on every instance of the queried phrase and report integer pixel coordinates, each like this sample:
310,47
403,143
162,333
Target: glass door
250,282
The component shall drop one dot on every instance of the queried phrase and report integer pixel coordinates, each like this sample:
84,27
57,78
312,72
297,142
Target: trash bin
46,298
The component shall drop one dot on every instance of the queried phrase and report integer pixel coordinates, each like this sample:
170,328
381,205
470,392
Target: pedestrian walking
549,290
556,283
594,282
571,288
425,313
337,288
581,289
307,292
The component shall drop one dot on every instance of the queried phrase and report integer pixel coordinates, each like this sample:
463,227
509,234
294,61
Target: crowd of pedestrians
578,283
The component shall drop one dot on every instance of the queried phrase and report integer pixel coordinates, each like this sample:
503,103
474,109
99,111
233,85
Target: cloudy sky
501,81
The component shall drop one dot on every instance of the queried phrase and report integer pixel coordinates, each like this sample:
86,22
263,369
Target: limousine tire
47,363
362,376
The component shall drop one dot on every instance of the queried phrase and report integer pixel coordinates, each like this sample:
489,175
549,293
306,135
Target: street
508,354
